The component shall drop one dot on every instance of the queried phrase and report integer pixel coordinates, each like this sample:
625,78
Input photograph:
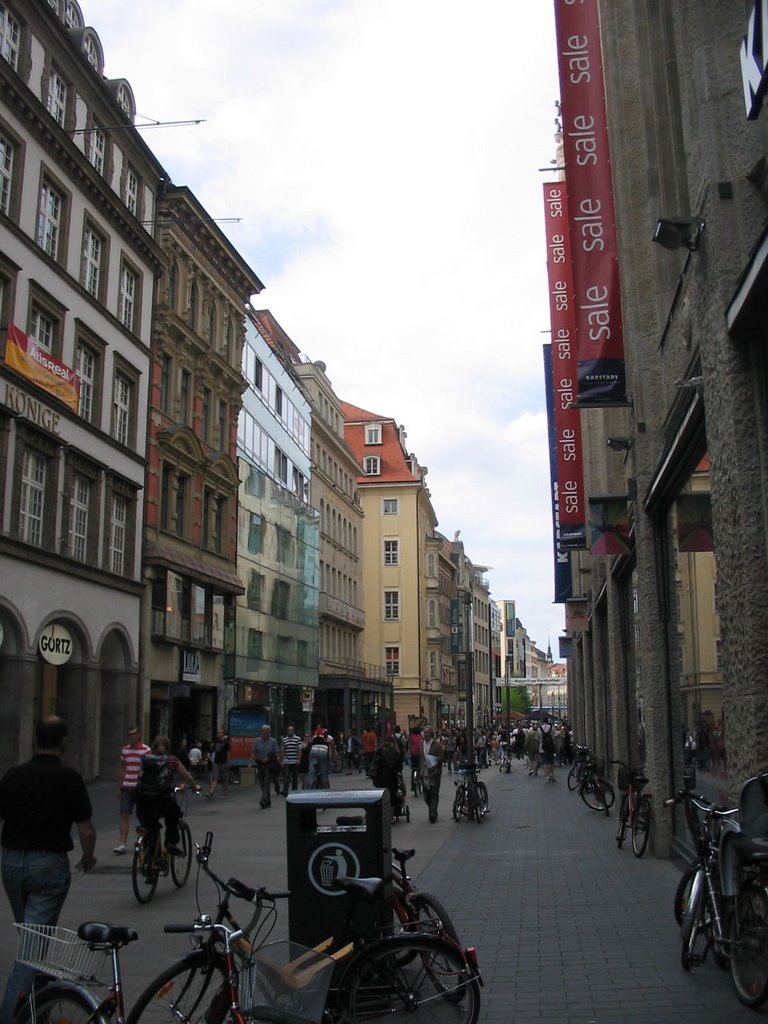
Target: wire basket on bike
58,952
289,978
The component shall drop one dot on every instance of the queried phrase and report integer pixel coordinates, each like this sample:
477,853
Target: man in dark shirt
39,802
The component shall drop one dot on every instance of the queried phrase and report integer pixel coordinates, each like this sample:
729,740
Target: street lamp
509,716
469,678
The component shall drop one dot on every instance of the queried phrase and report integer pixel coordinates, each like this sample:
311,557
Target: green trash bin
330,836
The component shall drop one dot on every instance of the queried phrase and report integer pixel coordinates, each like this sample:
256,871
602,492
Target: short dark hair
50,733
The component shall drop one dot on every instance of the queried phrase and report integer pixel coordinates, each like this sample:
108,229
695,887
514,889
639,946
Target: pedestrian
39,803
321,754
532,750
354,753
290,755
431,770
368,742
154,791
450,749
220,765
547,748
130,766
386,771
265,754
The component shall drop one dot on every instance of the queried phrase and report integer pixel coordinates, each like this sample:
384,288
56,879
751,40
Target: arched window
229,340
173,286
212,325
194,305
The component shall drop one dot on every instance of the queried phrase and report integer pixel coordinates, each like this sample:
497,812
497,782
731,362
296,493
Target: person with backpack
154,791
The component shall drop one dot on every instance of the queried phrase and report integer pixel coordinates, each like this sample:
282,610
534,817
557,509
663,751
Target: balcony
335,608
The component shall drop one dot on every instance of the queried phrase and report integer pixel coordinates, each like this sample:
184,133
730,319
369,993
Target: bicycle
577,769
151,859
596,791
635,811
417,910
423,976
471,799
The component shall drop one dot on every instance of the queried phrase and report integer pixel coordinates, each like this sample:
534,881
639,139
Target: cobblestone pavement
569,929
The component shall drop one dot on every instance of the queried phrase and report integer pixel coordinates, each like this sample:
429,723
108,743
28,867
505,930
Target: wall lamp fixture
676,232
620,444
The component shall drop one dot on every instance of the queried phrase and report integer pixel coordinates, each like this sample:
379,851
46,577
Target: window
90,276
256,529
166,368
6,173
390,506
433,664
219,510
182,490
32,501
186,378
72,16
194,303
87,368
97,147
206,410
391,605
49,219
281,596
223,432
79,507
56,100
279,401
281,465
373,434
166,477
229,340
372,465
286,548
255,647
173,287
91,51
124,100
42,328
391,552
128,295
10,34
255,590
131,190
117,522
392,661
122,400
432,614
212,327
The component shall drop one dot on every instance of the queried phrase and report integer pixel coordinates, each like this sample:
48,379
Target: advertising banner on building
609,526
36,364
567,422
600,339
694,523
563,585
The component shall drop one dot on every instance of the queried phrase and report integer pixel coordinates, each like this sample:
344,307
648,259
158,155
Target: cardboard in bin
331,835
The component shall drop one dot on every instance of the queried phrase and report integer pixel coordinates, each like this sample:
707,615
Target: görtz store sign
753,56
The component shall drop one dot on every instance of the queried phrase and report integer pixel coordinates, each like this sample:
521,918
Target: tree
518,700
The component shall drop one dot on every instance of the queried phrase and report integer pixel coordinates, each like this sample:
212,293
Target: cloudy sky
384,158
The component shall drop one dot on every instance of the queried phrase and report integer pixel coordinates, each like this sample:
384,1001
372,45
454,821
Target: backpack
547,742
156,778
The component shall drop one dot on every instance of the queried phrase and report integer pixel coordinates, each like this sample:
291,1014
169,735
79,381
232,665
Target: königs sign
754,59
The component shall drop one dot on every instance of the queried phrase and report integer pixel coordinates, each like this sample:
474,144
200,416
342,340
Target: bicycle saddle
403,854
368,888
93,931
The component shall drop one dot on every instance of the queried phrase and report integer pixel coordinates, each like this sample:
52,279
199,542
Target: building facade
78,189
273,637
190,538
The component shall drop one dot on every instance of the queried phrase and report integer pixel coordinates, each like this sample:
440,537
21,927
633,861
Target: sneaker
208,796
120,849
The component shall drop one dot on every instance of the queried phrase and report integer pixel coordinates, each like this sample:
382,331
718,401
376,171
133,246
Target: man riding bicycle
154,791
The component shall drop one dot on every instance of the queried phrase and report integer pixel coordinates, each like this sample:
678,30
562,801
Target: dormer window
373,433
10,34
372,465
74,17
92,51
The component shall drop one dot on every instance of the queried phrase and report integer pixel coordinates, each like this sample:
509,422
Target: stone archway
118,699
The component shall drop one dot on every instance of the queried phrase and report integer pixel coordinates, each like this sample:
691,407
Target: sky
383,159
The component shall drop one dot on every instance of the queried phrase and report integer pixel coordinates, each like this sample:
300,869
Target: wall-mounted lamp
676,232
620,444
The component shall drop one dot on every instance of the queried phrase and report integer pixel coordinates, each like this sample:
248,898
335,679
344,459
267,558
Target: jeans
36,884
290,777
317,775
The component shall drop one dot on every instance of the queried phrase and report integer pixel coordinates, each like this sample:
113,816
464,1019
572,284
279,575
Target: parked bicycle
595,790
234,976
420,911
635,810
151,859
471,799
577,768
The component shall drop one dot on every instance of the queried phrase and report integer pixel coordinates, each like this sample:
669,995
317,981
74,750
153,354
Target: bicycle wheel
144,874
432,915
475,804
641,826
593,794
621,833
749,946
482,790
573,779
423,978
192,990
683,892
56,1002
181,865
458,803
692,916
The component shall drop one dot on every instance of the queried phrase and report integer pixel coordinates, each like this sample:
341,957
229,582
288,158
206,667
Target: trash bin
330,836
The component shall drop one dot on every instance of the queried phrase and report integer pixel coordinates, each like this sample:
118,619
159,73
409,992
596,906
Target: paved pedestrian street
569,929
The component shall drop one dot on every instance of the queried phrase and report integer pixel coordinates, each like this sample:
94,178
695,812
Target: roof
354,414
275,336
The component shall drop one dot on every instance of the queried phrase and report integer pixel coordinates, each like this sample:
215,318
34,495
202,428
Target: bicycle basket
57,951
287,978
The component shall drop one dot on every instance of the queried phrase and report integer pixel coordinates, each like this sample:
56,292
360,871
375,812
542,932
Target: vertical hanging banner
567,419
563,579
600,338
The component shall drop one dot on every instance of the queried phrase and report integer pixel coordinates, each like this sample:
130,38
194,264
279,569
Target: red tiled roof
393,467
275,336
354,414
